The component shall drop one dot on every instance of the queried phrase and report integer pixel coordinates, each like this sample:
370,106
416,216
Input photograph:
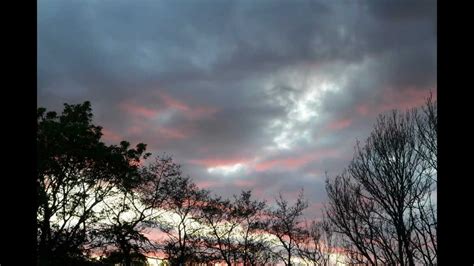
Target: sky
262,95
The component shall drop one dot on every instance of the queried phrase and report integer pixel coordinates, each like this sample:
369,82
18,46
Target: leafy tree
129,213
76,171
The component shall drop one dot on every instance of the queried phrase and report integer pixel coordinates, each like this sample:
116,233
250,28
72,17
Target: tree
183,202
426,121
117,257
231,229
317,243
250,214
128,214
286,225
424,213
218,217
76,171
378,203
365,238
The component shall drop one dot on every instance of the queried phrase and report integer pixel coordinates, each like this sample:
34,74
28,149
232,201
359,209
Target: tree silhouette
378,204
286,225
130,212
127,214
317,243
218,216
425,212
76,171
250,214
183,201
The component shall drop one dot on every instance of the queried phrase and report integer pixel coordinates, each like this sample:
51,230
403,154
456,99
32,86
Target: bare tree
380,203
260,253
252,245
427,132
317,243
183,202
365,237
234,229
424,211
218,217
286,225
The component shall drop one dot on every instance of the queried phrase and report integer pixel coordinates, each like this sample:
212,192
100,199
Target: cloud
138,110
217,162
226,169
261,94
110,136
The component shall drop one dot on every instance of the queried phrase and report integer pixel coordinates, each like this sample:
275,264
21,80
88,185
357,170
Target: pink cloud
138,110
135,130
215,162
201,111
206,184
173,133
340,124
406,99
140,126
174,103
156,235
295,162
362,109
110,135
190,112
399,99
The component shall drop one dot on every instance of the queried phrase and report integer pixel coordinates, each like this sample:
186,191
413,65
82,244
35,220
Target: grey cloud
226,55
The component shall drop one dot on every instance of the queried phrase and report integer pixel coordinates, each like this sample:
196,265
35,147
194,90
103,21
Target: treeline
99,204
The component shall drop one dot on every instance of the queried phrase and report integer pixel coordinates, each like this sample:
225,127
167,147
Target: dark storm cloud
259,84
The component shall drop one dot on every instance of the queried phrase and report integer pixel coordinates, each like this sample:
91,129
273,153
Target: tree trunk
44,247
289,258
